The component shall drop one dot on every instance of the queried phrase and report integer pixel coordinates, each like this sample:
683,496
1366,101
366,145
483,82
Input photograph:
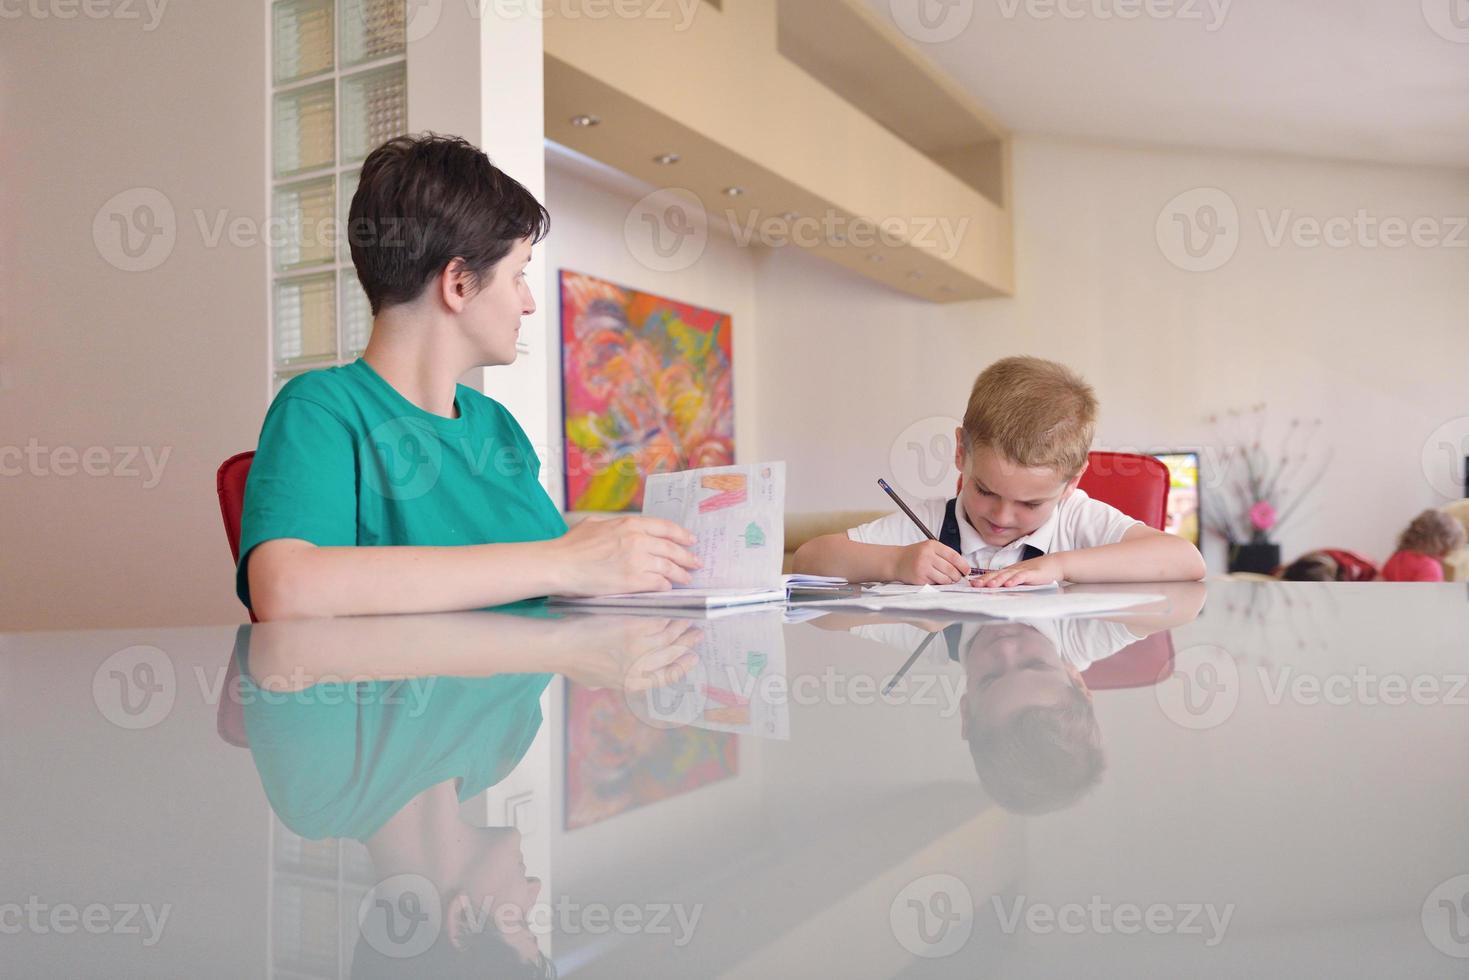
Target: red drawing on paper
731,490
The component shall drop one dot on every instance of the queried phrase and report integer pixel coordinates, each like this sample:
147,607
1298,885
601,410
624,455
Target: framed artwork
647,386
616,762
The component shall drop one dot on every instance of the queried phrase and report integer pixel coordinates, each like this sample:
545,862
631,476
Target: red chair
1136,485
230,483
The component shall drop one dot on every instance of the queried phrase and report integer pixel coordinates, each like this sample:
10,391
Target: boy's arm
295,579
926,562
1143,555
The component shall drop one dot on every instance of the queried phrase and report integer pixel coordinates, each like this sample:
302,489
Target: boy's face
493,313
1010,667
1003,500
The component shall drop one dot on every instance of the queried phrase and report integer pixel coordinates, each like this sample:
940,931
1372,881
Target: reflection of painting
647,387
615,762
1183,494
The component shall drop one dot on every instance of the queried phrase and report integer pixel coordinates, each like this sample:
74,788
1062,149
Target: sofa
801,528
1456,565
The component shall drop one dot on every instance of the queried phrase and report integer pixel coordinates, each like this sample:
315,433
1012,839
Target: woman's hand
629,653
625,554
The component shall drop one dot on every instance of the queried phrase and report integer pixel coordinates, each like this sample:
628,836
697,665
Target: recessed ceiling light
585,121
666,159
734,191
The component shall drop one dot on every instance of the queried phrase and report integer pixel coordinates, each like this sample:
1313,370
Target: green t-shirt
340,759
344,459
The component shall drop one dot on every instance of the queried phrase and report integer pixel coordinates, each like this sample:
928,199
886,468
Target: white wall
1375,341
172,359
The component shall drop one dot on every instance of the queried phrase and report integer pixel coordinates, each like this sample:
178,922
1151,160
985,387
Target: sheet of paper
900,588
738,515
985,602
738,685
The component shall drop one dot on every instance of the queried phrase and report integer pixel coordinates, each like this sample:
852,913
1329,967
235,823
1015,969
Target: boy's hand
1038,571
930,563
624,554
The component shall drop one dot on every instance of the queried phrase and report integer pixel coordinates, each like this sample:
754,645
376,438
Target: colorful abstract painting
616,762
647,387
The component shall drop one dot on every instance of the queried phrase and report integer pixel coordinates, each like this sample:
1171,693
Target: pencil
911,516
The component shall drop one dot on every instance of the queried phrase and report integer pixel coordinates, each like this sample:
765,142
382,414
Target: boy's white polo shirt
1077,522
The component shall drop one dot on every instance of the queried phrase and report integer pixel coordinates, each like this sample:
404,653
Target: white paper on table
901,588
738,515
986,602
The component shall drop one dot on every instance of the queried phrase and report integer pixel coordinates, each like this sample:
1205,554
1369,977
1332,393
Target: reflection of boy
1026,711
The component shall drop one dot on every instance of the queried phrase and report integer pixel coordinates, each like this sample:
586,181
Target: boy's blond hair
1433,533
1033,412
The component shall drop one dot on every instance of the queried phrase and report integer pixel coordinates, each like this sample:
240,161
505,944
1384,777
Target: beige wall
172,359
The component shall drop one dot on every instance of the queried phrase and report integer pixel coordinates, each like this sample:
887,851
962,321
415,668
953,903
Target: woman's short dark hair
424,201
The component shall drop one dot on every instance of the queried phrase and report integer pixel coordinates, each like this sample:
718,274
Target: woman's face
492,315
494,892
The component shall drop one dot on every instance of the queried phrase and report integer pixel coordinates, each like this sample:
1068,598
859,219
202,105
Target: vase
1259,558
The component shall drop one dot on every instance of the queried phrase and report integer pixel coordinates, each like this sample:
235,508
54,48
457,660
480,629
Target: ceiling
1375,80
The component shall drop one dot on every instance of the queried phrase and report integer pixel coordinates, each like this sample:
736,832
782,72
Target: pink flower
1262,516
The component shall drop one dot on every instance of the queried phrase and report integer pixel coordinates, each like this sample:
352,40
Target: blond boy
1019,518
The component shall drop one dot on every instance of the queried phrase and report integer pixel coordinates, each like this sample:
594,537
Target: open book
738,515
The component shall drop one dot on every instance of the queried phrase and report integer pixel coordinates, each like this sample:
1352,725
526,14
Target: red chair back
230,482
1147,662
1136,485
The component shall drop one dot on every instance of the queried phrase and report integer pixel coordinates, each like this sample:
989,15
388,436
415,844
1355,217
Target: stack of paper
1001,604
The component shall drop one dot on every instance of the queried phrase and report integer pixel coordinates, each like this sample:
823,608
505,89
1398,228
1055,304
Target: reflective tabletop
1235,778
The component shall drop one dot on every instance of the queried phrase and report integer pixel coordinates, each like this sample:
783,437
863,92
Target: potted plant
1261,488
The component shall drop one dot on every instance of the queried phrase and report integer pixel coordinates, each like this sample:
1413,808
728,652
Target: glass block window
339,89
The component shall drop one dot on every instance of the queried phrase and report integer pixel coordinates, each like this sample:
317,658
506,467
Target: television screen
1183,494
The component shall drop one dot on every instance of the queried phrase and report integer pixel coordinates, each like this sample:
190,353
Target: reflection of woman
388,762
385,486
377,728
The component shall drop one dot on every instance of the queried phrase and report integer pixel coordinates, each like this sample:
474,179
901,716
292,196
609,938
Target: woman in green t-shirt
385,486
